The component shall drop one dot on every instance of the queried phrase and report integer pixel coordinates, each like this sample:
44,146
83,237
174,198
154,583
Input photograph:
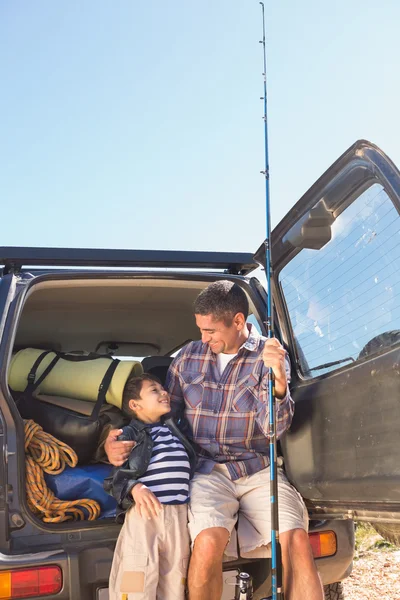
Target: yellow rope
44,453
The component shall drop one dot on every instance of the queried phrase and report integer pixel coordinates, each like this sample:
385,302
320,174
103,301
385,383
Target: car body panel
341,473
343,449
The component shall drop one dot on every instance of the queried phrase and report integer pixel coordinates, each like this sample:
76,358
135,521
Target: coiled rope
45,454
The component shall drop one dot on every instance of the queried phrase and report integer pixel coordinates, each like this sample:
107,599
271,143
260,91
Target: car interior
147,319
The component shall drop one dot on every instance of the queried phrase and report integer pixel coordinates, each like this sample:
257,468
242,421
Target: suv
336,286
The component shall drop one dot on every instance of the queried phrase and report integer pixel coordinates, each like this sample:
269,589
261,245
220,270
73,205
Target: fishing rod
276,553
244,587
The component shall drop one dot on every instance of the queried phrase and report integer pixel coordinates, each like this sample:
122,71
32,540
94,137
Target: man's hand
274,356
146,504
117,452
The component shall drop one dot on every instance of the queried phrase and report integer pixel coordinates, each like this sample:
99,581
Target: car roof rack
15,258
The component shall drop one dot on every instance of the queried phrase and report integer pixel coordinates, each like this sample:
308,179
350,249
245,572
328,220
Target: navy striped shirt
168,473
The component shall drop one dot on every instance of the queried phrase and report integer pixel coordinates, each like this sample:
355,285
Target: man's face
219,336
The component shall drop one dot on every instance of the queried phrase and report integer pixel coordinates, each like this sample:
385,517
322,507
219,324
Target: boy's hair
132,390
223,300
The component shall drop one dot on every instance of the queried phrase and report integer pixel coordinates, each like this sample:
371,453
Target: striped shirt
168,473
228,413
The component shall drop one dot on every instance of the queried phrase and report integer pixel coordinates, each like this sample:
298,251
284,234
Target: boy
152,487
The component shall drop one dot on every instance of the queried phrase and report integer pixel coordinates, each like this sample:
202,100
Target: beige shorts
217,501
151,556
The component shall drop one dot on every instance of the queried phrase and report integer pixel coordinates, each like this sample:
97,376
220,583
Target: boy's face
154,402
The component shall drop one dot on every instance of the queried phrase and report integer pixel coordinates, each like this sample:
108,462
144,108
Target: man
221,381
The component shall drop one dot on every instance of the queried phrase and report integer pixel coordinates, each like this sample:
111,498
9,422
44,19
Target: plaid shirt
228,414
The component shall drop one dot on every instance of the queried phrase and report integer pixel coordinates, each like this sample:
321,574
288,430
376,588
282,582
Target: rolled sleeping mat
73,376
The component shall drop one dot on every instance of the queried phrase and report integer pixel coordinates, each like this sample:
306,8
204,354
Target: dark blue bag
84,482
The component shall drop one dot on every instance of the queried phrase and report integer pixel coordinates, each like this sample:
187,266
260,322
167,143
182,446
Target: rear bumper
84,570
337,567
87,569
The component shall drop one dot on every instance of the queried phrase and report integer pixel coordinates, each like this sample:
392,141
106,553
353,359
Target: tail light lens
28,583
323,543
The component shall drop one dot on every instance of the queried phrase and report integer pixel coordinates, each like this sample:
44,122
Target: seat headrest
157,365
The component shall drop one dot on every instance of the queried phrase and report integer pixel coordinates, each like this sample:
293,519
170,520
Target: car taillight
323,543
28,583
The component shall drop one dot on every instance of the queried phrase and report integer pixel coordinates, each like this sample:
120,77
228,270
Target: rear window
342,298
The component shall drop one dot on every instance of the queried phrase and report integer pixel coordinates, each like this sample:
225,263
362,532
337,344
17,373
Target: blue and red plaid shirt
228,414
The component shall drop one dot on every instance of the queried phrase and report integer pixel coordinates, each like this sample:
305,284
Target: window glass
343,296
251,319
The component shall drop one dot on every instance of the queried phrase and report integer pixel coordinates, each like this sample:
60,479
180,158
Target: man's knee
297,540
210,544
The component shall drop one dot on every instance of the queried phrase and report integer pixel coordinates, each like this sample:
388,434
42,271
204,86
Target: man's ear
239,321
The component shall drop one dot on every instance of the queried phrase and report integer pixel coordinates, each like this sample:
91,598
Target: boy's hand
117,451
146,503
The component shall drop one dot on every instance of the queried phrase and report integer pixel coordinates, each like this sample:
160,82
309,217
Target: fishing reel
244,587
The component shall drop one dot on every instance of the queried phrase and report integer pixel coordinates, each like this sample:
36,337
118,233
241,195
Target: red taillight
50,580
323,543
24,583
28,583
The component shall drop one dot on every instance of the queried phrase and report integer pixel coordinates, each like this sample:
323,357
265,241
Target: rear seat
158,366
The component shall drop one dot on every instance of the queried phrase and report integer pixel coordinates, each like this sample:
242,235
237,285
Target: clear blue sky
138,124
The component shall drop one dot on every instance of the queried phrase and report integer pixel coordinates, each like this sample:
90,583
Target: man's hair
223,300
132,390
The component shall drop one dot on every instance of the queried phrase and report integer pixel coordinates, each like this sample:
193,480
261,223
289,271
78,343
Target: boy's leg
135,563
174,554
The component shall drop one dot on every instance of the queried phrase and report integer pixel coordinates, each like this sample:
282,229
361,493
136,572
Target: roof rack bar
15,258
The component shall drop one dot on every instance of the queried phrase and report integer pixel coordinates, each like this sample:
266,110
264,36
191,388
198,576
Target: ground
376,571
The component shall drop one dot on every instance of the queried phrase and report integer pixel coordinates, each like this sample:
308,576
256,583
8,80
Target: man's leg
301,580
300,575
205,570
212,517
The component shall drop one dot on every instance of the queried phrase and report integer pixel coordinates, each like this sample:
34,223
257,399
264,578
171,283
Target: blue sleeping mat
84,482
